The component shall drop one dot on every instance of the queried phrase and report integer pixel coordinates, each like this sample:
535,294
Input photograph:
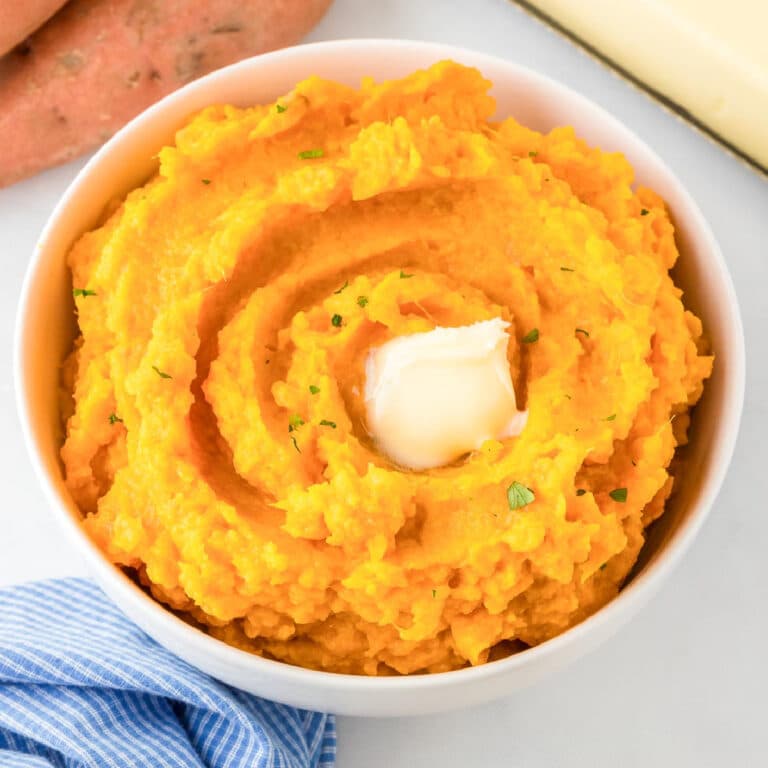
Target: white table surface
684,684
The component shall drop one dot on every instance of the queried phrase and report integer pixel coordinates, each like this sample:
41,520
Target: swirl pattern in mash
216,439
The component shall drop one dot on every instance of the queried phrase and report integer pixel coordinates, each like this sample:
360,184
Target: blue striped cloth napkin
81,686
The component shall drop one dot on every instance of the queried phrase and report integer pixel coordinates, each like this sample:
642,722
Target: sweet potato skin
18,20
98,63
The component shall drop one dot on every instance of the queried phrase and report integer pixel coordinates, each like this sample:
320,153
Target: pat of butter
432,397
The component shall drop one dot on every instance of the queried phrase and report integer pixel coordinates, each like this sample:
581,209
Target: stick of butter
709,58
432,397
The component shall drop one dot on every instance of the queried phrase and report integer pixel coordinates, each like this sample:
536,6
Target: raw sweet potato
97,63
18,20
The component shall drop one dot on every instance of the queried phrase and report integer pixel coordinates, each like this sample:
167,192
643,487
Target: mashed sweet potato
217,441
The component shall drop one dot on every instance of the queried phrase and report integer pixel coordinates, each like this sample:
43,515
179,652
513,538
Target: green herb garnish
294,422
346,283
114,418
160,373
567,269
581,330
612,417
295,444
532,153
336,321
280,108
206,181
531,336
313,389
310,154
326,423
619,494
434,593
82,292
519,495
404,276
603,566
580,491
362,301
644,211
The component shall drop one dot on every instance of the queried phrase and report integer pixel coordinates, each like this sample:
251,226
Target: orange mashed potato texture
216,439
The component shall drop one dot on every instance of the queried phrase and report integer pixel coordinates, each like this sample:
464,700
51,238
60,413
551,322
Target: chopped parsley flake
619,494
160,373
310,154
603,566
362,301
532,153
294,422
580,491
346,283
581,330
434,593
612,417
567,269
280,108
326,423
206,181
114,418
404,276
82,292
531,336
519,495
336,321
644,211
295,444
313,389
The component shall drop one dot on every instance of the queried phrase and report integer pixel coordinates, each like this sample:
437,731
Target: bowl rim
616,612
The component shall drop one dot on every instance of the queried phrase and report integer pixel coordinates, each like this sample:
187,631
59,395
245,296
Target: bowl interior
46,319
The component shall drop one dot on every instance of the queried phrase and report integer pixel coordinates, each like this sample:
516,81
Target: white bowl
46,326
